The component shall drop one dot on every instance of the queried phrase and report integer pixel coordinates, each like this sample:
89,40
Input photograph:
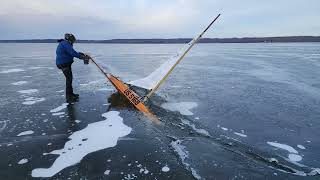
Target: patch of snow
107,172
60,91
57,109
179,149
183,154
23,161
89,83
28,91
11,71
105,89
25,133
294,157
300,146
19,83
195,174
58,114
32,100
240,134
284,147
165,169
315,171
200,131
225,129
77,121
99,135
182,107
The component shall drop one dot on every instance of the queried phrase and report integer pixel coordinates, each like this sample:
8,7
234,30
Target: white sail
152,80
156,78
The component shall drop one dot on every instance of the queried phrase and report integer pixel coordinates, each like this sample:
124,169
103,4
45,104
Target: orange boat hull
131,96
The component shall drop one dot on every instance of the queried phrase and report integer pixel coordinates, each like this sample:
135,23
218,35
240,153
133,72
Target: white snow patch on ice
284,147
77,121
32,100
300,146
225,129
183,154
165,169
28,91
89,83
105,89
19,83
107,172
25,133
23,161
182,107
294,157
57,109
96,136
179,149
60,91
240,134
11,71
58,114
200,131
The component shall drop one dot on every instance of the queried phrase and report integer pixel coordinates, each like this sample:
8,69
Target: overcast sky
110,19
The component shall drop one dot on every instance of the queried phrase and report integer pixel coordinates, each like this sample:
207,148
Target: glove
82,56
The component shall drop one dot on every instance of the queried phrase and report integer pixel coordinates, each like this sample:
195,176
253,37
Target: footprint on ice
182,107
100,135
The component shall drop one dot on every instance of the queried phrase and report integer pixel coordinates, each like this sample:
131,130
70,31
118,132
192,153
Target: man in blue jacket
64,59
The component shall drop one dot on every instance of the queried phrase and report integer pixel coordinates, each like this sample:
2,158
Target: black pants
67,71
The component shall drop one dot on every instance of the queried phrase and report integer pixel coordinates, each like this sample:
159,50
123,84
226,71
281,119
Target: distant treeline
284,39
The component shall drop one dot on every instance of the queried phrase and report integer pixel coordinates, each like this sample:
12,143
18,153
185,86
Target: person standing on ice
64,59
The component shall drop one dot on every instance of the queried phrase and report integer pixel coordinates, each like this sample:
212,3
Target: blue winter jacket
65,53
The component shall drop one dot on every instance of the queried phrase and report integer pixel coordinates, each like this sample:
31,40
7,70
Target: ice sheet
96,136
182,107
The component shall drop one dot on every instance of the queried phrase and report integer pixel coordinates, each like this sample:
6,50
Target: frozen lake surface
228,111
